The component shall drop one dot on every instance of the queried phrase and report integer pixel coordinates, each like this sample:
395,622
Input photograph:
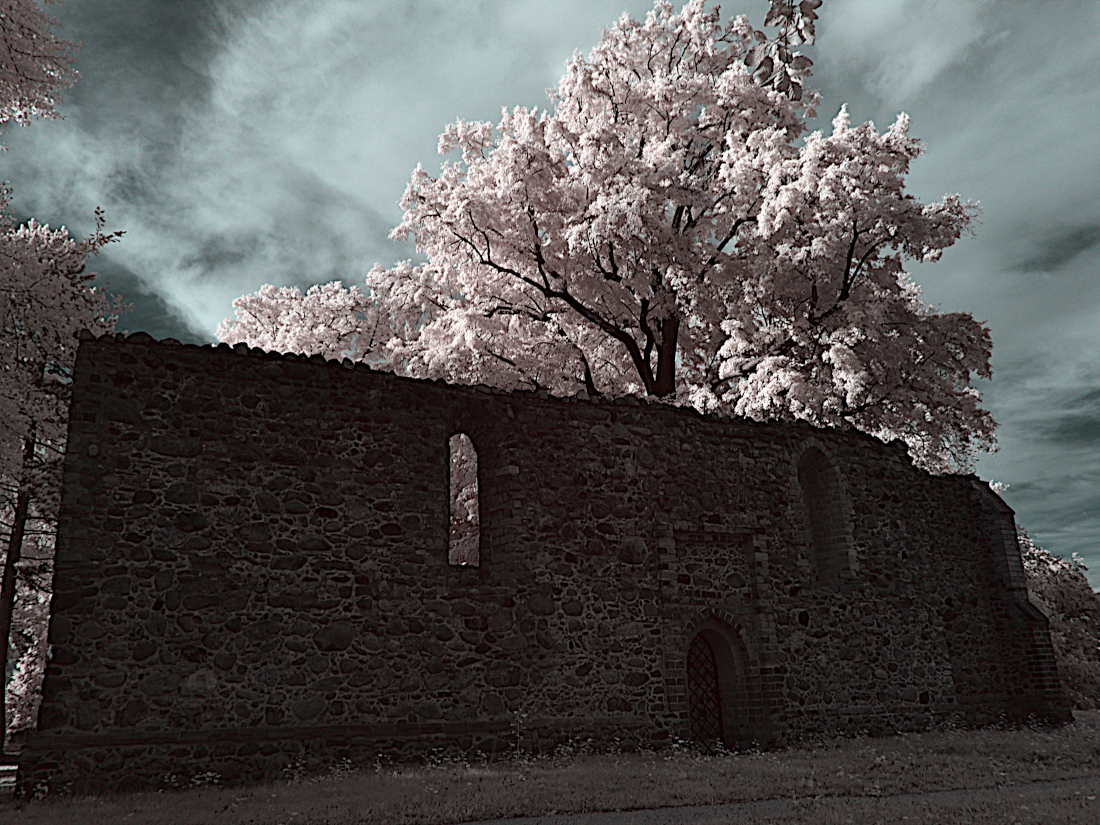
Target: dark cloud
223,251
1090,398
152,313
1061,513
309,228
1068,416
154,53
1058,248
1073,429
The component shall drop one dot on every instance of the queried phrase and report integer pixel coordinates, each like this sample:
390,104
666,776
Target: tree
659,233
43,304
1060,589
33,63
29,626
328,320
465,530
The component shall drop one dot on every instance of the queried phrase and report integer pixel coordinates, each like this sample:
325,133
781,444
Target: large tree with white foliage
659,233
567,252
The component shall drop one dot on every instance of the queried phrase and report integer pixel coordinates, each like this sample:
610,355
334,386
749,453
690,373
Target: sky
246,142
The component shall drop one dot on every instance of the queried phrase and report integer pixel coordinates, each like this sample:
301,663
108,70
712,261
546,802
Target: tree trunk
7,588
665,384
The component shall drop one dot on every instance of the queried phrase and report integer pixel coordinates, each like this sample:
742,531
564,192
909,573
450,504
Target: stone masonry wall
252,566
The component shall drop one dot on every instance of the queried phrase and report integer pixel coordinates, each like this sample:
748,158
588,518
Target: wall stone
252,567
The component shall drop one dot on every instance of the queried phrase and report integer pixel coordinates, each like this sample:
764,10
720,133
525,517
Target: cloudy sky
244,142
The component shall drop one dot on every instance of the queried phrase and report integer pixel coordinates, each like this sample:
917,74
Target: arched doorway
704,697
725,701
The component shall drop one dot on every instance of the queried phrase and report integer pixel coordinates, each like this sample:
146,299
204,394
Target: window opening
822,501
465,533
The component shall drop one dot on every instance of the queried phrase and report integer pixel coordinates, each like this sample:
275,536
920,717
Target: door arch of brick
720,687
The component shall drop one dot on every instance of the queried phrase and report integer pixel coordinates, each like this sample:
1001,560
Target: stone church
262,557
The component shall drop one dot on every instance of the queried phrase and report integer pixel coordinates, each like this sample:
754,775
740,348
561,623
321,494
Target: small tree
1060,589
43,304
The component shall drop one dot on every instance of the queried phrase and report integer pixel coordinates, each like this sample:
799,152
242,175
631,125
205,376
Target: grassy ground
835,781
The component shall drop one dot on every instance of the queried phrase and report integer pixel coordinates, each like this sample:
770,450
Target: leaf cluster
776,66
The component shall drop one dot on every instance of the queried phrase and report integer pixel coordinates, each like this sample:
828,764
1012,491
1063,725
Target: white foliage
33,63
44,303
661,209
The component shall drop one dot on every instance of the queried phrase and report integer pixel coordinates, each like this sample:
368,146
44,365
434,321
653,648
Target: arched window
824,517
465,522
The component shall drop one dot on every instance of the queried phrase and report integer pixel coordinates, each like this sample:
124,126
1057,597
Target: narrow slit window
822,502
465,542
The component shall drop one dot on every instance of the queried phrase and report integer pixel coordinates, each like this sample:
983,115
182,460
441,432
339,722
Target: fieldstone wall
253,567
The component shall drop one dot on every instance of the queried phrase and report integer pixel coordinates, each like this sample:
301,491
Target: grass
803,779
